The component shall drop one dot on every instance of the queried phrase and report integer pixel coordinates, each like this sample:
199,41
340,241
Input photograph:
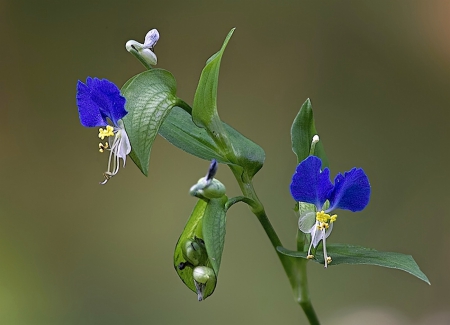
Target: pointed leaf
349,254
192,229
235,147
214,231
302,132
180,130
207,222
249,155
205,101
150,97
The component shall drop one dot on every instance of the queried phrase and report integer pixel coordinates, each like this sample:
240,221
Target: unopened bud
144,52
194,251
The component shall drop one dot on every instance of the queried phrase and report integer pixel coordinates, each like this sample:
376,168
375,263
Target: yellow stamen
329,260
322,226
102,147
310,256
324,218
108,132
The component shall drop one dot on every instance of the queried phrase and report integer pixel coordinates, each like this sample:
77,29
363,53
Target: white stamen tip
315,139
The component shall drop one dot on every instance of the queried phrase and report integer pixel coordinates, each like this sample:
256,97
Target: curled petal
98,100
351,191
310,184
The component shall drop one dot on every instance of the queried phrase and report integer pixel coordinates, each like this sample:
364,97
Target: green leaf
348,254
192,229
249,155
214,231
205,101
232,146
302,132
207,222
179,129
150,96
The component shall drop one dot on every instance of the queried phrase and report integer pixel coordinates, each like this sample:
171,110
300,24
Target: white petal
307,222
328,231
318,236
149,56
133,45
124,147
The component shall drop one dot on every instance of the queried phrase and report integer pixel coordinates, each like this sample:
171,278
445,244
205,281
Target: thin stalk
295,268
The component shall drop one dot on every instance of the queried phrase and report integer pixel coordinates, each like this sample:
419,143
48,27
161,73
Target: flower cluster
100,104
310,184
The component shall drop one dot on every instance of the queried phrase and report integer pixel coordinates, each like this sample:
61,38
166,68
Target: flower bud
203,274
213,189
194,251
314,141
144,52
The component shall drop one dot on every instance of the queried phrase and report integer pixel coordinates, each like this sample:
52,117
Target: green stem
301,292
295,268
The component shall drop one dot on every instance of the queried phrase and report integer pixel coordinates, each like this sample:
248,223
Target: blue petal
309,184
351,191
98,100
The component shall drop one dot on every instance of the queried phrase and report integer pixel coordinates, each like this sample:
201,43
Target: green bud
213,189
194,251
204,277
203,274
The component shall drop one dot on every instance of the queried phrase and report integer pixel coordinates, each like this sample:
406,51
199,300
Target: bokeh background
73,252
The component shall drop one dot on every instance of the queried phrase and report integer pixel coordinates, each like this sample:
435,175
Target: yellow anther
329,260
323,217
322,226
310,257
108,132
102,147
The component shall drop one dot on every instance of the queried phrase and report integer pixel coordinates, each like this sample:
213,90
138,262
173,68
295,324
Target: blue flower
100,104
310,184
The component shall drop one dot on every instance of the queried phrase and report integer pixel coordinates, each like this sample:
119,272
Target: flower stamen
118,148
102,147
325,255
108,132
323,221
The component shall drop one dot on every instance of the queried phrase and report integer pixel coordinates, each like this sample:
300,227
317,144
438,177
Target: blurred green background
74,252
